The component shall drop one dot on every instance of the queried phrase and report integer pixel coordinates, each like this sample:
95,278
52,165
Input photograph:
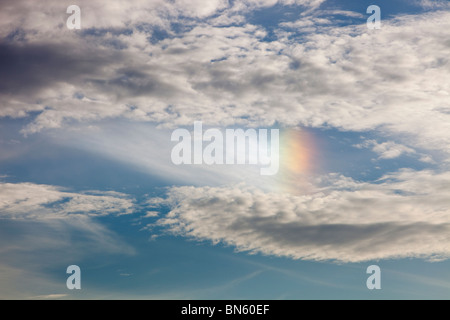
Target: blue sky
86,176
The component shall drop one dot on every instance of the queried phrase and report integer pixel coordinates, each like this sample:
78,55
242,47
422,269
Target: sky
86,170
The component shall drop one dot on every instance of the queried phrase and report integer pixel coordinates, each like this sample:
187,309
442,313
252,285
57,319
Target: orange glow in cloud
296,153
298,159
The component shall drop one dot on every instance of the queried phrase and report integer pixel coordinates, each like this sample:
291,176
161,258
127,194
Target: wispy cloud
41,202
46,227
432,4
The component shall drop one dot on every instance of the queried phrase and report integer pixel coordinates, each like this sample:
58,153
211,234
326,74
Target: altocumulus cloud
405,214
344,77
221,69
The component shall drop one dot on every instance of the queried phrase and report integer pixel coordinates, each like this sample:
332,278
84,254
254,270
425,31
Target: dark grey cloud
130,82
26,69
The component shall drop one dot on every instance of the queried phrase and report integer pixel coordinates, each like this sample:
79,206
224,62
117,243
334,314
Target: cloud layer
349,77
405,214
174,62
43,202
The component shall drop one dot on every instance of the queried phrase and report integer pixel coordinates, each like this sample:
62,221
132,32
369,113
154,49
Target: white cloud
405,214
307,22
200,8
51,15
387,150
229,76
61,213
427,159
147,149
346,13
151,214
41,202
432,4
